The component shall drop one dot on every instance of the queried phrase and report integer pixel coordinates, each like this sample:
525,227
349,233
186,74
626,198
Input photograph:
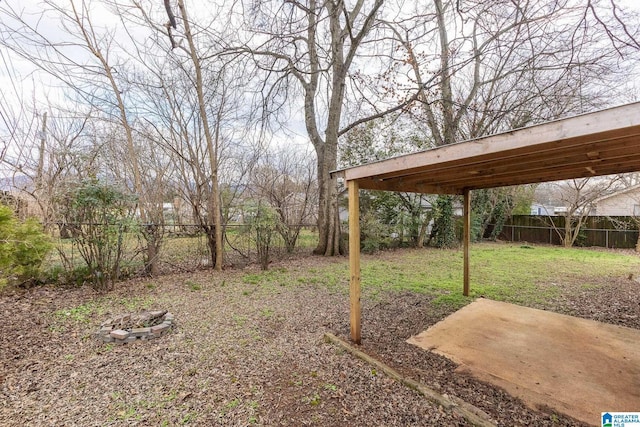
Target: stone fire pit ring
114,331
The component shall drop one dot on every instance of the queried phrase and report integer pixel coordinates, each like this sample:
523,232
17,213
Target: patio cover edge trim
581,126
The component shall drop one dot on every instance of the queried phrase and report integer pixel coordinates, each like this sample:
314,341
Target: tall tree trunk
328,218
329,241
214,197
568,236
342,55
153,238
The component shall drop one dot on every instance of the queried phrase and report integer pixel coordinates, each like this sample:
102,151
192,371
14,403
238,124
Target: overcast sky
22,82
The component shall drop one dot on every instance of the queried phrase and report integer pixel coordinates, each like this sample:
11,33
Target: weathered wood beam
569,172
493,171
399,185
588,155
452,183
354,259
619,140
473,415
611,123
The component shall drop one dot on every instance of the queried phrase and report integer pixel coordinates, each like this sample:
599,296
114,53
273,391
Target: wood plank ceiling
594,144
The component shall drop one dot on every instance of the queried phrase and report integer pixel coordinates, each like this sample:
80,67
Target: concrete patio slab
576,366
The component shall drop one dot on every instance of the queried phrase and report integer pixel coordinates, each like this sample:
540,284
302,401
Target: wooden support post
466,239
354,259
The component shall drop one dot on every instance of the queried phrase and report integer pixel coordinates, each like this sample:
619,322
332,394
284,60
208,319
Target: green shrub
23,247
263,222
100,215
444,223
374,235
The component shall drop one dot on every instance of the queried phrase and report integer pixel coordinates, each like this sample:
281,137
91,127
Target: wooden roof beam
595,151
623,120
490,171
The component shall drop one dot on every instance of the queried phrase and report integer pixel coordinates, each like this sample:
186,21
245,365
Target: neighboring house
621,203
551,210
550,201
426,205
541,209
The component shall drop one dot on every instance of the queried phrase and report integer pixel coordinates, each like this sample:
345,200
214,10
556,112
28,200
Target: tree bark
568,235
329,241
214,197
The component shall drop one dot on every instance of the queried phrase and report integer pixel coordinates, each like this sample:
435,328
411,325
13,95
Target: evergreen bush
23,248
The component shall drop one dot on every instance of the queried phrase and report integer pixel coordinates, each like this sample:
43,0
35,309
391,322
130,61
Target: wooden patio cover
601,143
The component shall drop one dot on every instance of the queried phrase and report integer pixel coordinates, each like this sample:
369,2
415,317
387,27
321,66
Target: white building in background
540,209
621,203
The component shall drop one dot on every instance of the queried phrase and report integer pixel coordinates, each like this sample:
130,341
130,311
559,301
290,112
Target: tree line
213,104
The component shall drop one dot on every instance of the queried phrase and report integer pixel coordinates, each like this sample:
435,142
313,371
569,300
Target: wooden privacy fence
607,232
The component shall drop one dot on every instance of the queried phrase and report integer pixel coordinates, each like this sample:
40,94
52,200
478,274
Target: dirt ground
244,354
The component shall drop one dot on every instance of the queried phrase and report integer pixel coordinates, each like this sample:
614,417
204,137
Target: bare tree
83,57
212,139
315,45
464,69
576,197
474,67
195,102
483,67
48,158
287,182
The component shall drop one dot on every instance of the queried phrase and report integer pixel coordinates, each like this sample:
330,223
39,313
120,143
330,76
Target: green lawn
506,272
